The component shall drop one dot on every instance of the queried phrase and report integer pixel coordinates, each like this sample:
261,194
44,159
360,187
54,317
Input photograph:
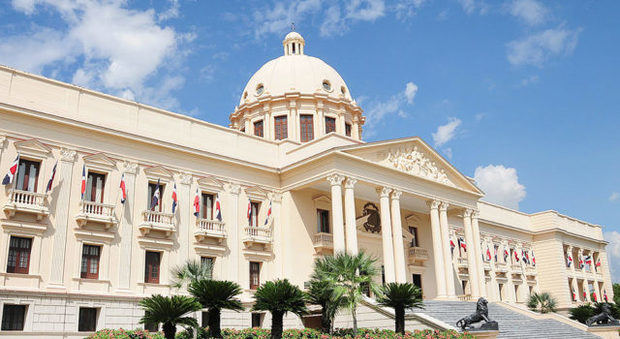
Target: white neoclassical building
294,180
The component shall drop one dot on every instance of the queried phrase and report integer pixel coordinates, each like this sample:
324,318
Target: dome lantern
293,44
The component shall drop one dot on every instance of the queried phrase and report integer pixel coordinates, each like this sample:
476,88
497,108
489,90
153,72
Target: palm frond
405,295
161,309
217,294
191,271
280,296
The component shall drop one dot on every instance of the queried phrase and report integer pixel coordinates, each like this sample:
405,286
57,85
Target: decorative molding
396,194
444,206
32,148
433,204
274,196
384,192
129,167
416,162
158,172
67,155
467,213
350,183
335,179
99,161
185,178
232,188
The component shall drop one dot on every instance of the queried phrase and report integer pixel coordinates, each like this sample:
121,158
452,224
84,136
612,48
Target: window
257,320
19,255
151,270
281,127
90,261
258,128
382,274
152,188
204,322
254,275
255,207
260,89
306,127
347,129
322,220
417,280
95,185
206,210
13,317
327,86
27,175
88,319
414,234
151,327
209,262
330,125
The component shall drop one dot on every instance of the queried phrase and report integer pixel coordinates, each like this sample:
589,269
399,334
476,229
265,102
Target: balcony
531,271
157,221
417,256
501,267
461,262
26,202
96,212
516,267
210,229
323,242
257,235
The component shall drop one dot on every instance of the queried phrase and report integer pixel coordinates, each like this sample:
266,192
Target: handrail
27,198
158,217
96,208
209,225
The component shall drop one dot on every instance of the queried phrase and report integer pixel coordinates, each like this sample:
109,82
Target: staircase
512,324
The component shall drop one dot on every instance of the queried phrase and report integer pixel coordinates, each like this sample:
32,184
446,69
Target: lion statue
482,314
603,318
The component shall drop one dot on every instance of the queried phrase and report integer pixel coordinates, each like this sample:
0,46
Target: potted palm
542,303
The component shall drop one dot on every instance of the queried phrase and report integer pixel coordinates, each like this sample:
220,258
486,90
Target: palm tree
320,292
191,271
170,311
400,297
349,275
279,297
216,295
542,303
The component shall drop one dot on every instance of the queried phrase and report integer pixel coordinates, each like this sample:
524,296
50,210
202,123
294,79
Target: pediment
256,192
100,161
158,172
413,156
33,148
210,183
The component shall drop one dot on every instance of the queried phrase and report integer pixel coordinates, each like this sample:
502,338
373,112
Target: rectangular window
347,129
94,187
27,175
13,317
323,220
258,128
152,188
254,275
209,262
414,234
151,270
382,274
88,319
417,280
255,206
151,327
257,320
206,210
90,261
281,127
204,322
19,255
306,125
330,125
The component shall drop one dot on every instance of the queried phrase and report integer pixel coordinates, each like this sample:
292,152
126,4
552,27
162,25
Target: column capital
185,178
129,167
468,213
384,192
433,204
350,183
475,214
232,188
396,194
335,179
67,155
274,196
444,206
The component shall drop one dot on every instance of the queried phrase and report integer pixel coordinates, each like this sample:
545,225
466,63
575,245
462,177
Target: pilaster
127,224
397,236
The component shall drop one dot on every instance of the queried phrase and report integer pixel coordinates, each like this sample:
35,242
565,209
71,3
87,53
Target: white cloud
407,8
613,250
529,80
472,6
614,196
172,12
537,48
410,91
377,110
365,10
501,185
530,12
278,19
446,132
26,6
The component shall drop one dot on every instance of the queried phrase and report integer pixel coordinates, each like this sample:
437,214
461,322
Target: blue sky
520,94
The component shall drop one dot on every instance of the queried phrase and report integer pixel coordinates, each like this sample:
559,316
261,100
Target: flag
83,189
155,197
51,181
452,246
584,295
8,178
533,259
495,252
217,210
462,244
581,265
268,214
488,254
524,257
249,212
574,295
506,254
516,255
569,260
197,204
605,296
598,264
594,296
174,198
123,189
588,260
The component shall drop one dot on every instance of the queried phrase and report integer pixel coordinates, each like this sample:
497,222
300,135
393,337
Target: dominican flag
594,296
83,188
533,259
495,252
462,244
123,189
217,210
8,178
525,257
51,181
598,263
156,196
569,260
452,246
516,255
605,296
584,295
174,198
581,265
488,254
574,295
506,254
268,214
588,260
249,213
197,204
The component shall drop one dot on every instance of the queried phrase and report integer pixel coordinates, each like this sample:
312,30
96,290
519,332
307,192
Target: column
397,236
355,128
349,212
292,121
575,289
478,253
437,249
127,226
266,122
185,224
335,181
65,174
230,216
445,241
569,251
586,288
471,255
386,234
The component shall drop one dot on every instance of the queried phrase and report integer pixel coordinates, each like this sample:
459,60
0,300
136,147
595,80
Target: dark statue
373,223
482,314
603,318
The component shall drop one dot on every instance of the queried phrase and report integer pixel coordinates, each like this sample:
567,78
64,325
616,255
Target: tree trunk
276,325
399,315
325,320
169,330
354,315
214,323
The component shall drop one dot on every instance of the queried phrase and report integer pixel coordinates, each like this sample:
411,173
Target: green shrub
389,334
581,313
125,334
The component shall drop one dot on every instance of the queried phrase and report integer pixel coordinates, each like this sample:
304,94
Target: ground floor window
152,327
257,320
13,317
88,319
254,275
19,255
501,291
208,262
151,269
417,280
204,320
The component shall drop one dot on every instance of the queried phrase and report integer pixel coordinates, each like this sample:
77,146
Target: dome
295,72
